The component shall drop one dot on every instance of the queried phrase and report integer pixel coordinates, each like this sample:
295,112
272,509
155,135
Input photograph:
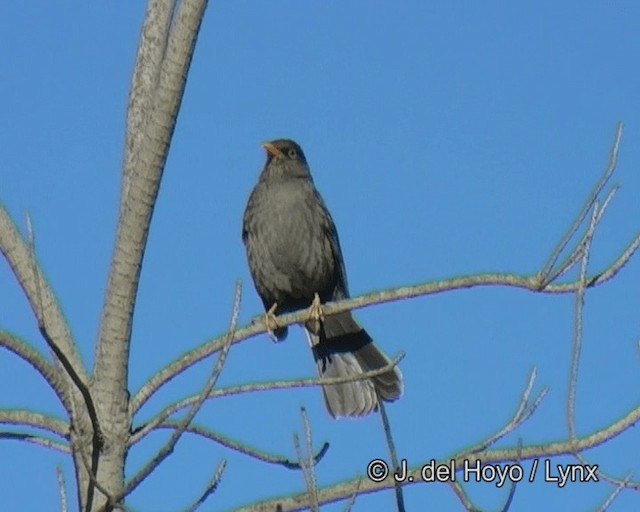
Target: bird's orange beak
272,150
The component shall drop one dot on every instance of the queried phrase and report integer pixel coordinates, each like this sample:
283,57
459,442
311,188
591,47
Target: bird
295,260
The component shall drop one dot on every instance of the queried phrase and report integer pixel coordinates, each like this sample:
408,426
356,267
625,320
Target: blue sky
446,139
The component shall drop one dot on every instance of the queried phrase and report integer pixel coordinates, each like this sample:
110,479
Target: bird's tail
343,349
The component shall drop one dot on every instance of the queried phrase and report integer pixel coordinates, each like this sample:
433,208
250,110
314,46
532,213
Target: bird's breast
287,242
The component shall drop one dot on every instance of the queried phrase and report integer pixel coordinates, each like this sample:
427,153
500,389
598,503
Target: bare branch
607,503
30,355
143,430
626,483
80,385
79,379
576,254
386,425
24,418
50,322
462,495
531,283
239,447
577,338
345,490
591,199
523,413
30,419
136,206
307,462
352,500
605,203
41,298
61,489
90,466
210,488
154,103
146,75
509,499
36,439
167,449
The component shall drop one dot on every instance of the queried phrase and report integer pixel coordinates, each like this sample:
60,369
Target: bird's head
285,159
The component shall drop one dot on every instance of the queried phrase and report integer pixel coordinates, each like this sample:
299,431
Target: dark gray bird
294,253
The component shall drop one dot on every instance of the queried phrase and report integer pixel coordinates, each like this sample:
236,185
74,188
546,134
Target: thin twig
167,449
30,355
386,425
78,380
512,488
591,199
576,254
18,255
530,283
36,439
507,502
242,448
577,338
523,413
344,490
90,466
307,463
61,488
614,494
32,419
462,495
211,487
607,200
602,475
143,430
352,500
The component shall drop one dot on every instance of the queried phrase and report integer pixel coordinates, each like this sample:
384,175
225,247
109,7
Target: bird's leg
271,323
316,316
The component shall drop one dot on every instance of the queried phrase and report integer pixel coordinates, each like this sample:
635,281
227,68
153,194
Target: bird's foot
271,323
316,316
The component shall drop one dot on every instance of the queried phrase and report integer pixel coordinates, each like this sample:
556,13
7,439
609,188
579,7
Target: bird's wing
329,228
247,217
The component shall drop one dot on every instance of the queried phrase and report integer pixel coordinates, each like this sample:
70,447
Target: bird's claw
271,323
316,316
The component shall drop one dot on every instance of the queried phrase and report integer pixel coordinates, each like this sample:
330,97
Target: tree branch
525,282
344,490
41,298
36,439
538,282
211,487
577,253
30,355
167,449
164,55
614,494
524,411
307,462
591,199
393,454
146,75
24,418
61,489
462,495
239,447
140,194
576,346
159,418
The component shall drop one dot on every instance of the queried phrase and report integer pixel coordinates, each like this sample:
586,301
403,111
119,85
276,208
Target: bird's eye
292,153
